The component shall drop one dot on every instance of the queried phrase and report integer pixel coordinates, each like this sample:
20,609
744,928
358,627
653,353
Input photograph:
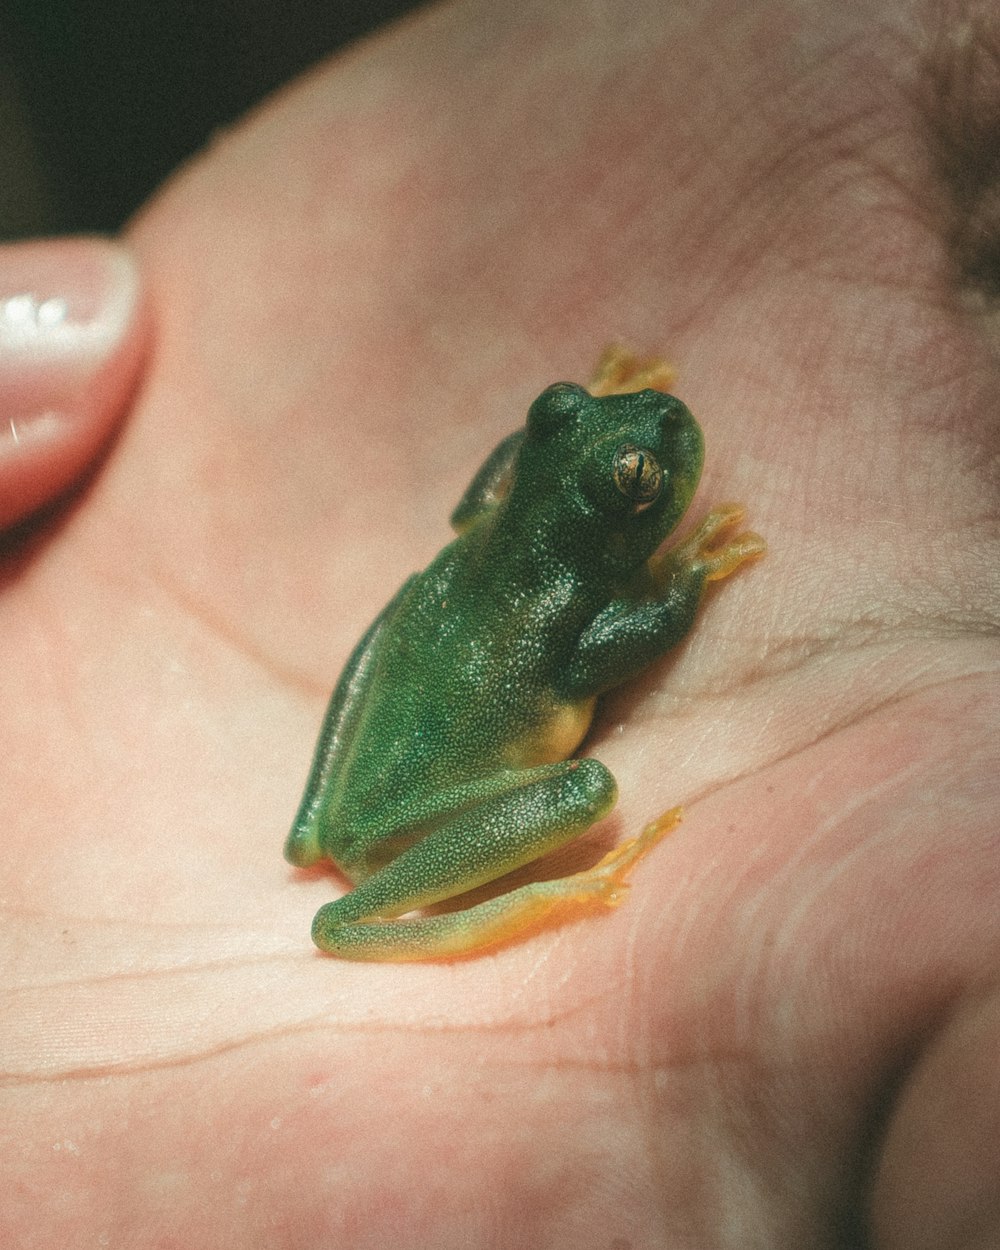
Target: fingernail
65,307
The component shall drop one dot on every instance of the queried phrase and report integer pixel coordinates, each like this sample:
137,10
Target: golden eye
637,475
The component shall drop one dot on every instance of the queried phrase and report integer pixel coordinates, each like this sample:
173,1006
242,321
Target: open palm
784,1038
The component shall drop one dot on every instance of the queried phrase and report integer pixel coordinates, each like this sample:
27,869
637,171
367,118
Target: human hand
787,1035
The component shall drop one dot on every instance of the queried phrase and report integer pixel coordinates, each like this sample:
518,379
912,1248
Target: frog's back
462,686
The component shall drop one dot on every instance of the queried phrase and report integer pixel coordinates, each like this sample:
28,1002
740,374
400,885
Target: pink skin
72,334
790,1028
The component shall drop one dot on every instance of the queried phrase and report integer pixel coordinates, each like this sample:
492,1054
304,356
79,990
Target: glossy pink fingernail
65,307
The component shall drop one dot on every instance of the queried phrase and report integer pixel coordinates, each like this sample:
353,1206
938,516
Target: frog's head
623,467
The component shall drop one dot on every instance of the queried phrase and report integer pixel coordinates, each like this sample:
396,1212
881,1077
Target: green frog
446,757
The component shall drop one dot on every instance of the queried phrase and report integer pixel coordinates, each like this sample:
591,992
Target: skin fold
785,1037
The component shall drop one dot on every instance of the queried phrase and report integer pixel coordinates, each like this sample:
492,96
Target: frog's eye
638,476
556,405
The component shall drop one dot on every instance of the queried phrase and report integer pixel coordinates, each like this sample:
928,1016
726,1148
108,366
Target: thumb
72,334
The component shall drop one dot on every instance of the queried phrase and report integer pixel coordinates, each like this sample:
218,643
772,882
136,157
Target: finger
71,338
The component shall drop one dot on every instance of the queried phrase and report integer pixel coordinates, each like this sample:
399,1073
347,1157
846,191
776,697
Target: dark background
101,99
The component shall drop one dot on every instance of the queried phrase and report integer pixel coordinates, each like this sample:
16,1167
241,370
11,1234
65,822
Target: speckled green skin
442,761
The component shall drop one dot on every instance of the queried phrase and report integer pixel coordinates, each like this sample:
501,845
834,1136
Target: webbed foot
621,372
708,549
606,882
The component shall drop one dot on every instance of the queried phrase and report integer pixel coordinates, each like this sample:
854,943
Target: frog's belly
554,736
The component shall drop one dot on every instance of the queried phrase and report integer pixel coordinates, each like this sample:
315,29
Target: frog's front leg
659,611
707,551
621,372
490,485
519,817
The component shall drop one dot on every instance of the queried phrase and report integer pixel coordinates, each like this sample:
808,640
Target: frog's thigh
555,804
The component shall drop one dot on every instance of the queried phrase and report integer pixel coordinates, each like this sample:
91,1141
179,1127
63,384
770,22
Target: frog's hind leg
521,912
511,819
549,807
621,372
